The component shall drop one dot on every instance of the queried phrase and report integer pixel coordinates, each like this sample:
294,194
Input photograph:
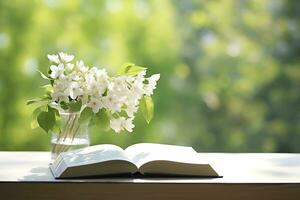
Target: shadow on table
278,164
38,174
289,161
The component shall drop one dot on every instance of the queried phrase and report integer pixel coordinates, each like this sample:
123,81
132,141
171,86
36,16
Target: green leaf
48,90
56,112
46,119
64,105
86,115
44,76
38,102
48,96
147,108
34,124
131,69
75,106
46,86
32,101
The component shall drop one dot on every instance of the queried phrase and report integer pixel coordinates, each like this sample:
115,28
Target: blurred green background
230,70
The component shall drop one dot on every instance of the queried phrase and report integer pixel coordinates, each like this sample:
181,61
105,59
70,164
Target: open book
143,159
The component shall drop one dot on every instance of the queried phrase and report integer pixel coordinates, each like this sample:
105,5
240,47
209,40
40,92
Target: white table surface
234,167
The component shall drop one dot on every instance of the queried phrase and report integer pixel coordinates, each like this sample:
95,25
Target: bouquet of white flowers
92,93
78,88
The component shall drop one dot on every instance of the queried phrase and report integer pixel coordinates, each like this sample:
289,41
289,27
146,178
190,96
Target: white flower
84,99
131,109
111,102
141,76
137,89
61,89
66,57
69,66
121,123
120,84
99,73
53,58
155,77
81,67
151,84
75,77
116,124
92,87
128,125
97,81
60,96
56,71
95,104
75,90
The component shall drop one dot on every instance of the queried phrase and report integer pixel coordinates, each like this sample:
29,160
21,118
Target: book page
146,152
94,154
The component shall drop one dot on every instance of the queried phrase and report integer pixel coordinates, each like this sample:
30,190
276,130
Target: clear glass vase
72,135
